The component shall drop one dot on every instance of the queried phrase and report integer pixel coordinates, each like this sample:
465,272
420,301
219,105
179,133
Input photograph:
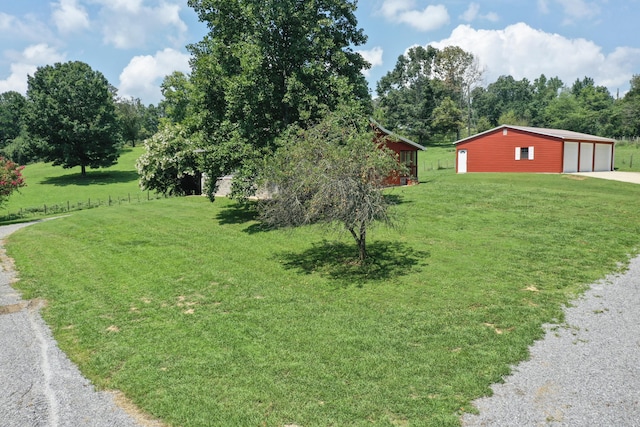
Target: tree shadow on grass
338,261
92,178
241,213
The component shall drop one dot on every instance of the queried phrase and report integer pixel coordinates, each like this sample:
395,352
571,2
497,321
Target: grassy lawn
628,156
51,186
203,319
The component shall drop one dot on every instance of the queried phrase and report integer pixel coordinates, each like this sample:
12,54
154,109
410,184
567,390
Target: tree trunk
361,241
83,170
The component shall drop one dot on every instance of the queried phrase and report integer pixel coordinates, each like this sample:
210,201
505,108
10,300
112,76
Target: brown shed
406,150
509,148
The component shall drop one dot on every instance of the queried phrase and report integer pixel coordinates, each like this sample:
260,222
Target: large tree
12,116
71,107
267,64
332,173
406,94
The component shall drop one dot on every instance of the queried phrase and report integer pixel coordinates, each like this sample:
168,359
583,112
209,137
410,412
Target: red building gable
528,149
406,150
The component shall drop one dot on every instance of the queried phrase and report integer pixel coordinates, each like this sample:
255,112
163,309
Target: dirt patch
130,408
34,304
13,308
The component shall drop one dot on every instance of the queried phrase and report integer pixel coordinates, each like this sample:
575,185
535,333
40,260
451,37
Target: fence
68,206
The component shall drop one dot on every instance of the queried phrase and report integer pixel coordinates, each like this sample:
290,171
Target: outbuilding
510,148
406,150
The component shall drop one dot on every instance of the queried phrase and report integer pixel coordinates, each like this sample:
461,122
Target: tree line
436,95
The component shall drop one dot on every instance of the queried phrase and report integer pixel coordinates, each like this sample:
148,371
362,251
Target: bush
10,178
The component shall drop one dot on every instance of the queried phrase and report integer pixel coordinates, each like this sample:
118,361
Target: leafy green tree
447,118
505,95
170,164
178,91
627,111
459,73
130,113
72,108
12,116
406,97
331,173
510,118
544,91
265,65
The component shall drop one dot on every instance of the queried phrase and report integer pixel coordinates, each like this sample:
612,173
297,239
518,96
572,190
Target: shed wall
495,152
396,179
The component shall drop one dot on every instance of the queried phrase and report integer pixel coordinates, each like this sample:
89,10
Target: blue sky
135,43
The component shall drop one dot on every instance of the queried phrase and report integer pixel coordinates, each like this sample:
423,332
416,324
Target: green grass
628,156
49,185
203,319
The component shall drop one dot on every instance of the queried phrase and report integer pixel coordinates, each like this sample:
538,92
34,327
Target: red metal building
407,152
509,148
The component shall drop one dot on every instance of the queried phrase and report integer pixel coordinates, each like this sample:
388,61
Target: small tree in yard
10,178
332,173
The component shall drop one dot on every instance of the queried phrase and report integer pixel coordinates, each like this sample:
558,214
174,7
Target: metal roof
565,135
395,135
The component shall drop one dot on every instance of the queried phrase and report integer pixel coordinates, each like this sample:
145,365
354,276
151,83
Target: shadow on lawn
241,213
338,261
92,178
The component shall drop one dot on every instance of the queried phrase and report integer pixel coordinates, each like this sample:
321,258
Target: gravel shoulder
585,372
39,384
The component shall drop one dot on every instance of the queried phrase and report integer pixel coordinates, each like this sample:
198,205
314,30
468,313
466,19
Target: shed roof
565,135
395,135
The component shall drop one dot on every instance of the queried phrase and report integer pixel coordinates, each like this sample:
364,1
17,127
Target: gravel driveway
39,386
583,373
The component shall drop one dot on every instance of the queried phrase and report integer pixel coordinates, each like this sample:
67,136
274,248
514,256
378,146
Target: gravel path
583,373
39,386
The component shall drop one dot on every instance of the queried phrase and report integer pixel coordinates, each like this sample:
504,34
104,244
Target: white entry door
462,161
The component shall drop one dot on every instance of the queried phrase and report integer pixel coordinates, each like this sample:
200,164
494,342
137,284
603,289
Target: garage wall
494,152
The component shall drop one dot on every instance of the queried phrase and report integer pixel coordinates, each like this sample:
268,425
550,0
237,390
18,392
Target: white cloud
473,12
524,52
373,57
26,30
543,6
579,9
129,23
70,17
406,12
141,78
26,63
574,10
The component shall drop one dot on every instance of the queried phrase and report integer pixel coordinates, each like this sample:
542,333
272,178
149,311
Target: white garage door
603,158
586,157
570,161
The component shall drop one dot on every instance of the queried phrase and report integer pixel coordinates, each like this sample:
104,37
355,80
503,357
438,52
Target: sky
135,43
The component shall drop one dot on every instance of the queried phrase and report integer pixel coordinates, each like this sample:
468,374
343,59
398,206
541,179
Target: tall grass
202,318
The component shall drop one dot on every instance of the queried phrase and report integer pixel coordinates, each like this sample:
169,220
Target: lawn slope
204,319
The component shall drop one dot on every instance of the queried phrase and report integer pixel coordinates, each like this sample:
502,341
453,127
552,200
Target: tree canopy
265,65
71,107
